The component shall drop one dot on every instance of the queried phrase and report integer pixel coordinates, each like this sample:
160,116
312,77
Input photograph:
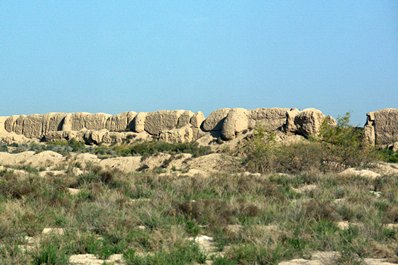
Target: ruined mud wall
381,127
166,125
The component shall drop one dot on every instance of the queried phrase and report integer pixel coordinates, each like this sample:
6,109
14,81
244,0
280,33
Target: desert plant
184,253
388,155
345,144
335,148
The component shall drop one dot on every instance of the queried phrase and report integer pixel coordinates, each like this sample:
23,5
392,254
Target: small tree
344,143
260,151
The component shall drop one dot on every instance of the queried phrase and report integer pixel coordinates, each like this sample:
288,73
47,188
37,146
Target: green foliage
3,147
388,155
51,252
154,147
182,254
192,227
272,218
261,151
105,177
335,148
223,261
149,148
253,254
145,148
343,134
345,143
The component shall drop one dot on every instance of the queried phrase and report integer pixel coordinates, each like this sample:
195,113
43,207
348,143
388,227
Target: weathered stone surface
125,164
120,122
139,122
236,121
369,129
210,163
252,124
185,118
205,243
9,123
370,261
317,258
52,122
365,173
88,121
183,125
270,119
382,126
331,257
308,122
158,121
32,126
39,125
290,126
215,120
181,135
67,123
330,120
90,259
55,231
10,137
95,137
394,147
36,125
63,135
155,161
197,119
42,159
14,124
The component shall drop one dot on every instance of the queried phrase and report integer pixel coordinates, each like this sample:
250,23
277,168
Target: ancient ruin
183,125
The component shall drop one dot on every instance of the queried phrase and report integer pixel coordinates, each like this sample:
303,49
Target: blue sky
115,56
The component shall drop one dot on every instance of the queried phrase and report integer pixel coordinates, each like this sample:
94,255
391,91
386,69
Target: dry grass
272,221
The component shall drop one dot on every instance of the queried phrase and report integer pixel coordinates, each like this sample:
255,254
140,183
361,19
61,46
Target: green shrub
64,146
335,148
145,148
182,254
388,155
154,147
253,254
13,254
223,261
52,251
345,144
3,147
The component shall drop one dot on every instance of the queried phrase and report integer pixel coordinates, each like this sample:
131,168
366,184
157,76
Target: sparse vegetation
253,218
145,148
336,147
388,155
154,147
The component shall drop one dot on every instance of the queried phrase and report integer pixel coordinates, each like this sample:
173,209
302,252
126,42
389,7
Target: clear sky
115,56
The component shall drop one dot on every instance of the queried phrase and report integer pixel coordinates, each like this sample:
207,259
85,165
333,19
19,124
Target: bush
145,148
51,251
335,148
263,154
345,144
388,155
154,147
66,146
183,254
